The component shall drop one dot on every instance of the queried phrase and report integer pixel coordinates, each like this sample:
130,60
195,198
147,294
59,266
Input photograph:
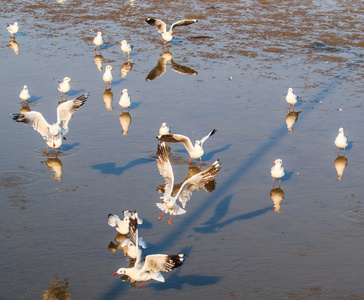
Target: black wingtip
212,132
17,117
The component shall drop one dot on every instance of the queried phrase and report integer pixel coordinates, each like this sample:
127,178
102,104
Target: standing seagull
195,152
185,192
98,41
107,77
126,48
125,99
153,265
162,27
64,86
277,171
291,98
13,29
341,140
24,94
52,134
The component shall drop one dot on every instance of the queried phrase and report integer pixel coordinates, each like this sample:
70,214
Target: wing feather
176,138
207,136
196,182
161,26
183,23
165,169
36,120
66,109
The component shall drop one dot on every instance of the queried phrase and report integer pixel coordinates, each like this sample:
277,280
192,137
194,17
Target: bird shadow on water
111,169
221,210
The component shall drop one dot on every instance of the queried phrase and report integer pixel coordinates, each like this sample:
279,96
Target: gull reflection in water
163,61
24,108
291,118
98,60
58,289
340,163
277,195
125,120
108,97
125,69
13,45
55,165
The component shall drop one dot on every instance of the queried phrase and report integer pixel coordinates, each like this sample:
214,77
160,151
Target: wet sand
242,239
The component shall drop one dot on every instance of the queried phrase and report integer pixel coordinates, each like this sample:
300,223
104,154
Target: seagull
126,48
277,171
162,27
64,86
341,140
125,99
195,152
107,77
152,266
291,98
164,129
52,134
122,226
13,29
131,245
185,192
98,41
24,94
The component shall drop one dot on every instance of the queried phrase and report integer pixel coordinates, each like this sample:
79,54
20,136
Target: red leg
161,216
47,149
279,183
142,284
170,220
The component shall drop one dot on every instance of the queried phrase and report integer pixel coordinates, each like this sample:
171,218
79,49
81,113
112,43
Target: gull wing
161,26
36,120
158,70
162,262
113,220
176,138
207,136
182,23
66,109
196,182
165,169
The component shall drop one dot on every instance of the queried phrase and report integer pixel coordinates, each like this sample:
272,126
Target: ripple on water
15,179
64,150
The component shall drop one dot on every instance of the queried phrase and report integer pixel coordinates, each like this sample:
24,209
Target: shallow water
53,231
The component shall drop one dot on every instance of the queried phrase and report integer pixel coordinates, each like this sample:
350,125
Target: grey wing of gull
66,109
158,70
176,138
161,26
196,182
207,136
182,69
162,262
165,169
183,23
36,120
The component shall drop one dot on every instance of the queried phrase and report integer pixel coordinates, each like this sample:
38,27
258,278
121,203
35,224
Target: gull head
198,143
277,162
67,79
121,271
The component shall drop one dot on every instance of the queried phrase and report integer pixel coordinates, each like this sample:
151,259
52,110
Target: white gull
185,191
277,171
341,140
52,134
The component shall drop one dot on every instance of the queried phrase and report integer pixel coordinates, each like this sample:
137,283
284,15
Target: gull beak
115,273
71,80
273,163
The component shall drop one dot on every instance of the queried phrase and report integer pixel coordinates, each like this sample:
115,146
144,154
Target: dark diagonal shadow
112,169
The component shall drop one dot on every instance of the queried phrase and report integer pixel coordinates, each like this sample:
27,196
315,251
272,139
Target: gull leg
279,183
170,220
161,216
273,182
142,284
190,159
47,149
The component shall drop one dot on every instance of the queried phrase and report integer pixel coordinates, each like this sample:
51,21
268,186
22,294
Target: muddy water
243,238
